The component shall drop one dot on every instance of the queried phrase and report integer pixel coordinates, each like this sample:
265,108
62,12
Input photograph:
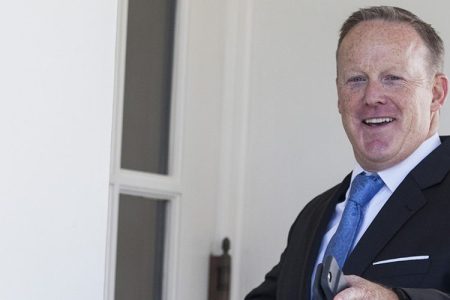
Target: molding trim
179,90
116,134
234,133
146,183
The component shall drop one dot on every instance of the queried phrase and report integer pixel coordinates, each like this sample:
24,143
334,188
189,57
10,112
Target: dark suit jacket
415,221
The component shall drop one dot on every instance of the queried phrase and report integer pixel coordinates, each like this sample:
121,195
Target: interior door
166,153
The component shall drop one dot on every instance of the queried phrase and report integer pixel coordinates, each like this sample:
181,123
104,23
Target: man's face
386,91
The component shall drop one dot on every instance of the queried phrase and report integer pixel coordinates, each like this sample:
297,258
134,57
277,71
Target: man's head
390,85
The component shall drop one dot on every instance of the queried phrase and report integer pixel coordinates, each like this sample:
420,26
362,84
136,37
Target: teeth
374,121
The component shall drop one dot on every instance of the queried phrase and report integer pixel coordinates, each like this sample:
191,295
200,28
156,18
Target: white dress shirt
392,178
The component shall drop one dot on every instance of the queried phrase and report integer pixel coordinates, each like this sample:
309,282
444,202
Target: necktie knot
364,187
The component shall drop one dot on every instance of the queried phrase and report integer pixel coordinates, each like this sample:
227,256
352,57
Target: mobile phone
317,286
329,280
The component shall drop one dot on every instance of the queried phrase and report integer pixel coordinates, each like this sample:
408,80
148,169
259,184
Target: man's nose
374,93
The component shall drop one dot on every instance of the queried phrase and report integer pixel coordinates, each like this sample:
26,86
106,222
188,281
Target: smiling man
389,92
387,223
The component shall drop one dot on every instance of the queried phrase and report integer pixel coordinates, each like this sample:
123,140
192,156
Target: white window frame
143,184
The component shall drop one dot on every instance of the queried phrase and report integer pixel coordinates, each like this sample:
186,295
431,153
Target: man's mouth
378,121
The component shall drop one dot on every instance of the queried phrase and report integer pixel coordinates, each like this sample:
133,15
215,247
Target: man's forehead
382,45
381,30
377,33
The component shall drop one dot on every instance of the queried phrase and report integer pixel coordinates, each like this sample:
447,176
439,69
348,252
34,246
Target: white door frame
231,108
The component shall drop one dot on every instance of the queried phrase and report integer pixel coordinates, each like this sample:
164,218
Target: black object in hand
329,280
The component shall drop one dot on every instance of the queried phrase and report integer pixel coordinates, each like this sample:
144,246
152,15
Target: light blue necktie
363,188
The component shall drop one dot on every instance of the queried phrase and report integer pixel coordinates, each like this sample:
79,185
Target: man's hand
361,289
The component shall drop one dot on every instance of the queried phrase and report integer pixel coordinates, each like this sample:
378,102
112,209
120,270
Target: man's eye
392,77
356,79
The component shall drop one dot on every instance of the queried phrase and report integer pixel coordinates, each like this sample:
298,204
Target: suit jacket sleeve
424,294
267,290
290,278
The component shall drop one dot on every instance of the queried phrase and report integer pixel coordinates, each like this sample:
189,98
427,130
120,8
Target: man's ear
440,90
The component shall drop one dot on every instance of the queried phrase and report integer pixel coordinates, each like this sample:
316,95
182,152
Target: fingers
361,289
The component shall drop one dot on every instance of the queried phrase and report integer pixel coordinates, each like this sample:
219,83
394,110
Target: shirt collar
393,176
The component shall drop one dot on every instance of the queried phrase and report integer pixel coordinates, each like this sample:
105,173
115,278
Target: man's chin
375,160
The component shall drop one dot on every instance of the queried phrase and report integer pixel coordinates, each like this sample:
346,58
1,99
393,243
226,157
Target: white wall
295,146
57,70
260,128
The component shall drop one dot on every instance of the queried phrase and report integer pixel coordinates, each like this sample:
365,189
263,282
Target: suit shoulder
319,205
321,198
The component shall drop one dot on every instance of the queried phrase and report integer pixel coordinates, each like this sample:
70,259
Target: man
390,90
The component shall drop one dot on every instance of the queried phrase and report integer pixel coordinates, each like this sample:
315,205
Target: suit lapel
402,205
407,199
